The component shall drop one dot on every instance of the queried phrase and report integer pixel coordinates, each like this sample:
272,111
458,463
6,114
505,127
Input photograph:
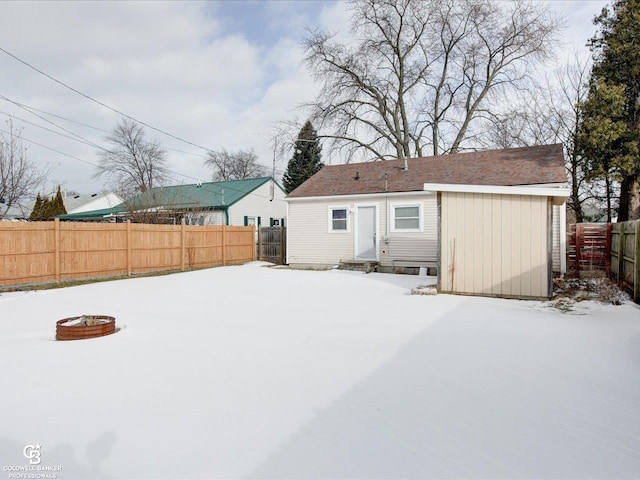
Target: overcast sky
217,74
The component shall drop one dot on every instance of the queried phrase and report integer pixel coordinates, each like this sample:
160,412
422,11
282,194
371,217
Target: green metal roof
205,196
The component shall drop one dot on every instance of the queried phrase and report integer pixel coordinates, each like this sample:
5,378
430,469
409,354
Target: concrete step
366,266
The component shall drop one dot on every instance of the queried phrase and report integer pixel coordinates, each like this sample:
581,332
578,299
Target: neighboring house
15,212
72,204
253,201
484,219
87,203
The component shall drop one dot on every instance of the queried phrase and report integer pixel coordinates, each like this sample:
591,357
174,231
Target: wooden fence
33,252
272,245
625,256
588,247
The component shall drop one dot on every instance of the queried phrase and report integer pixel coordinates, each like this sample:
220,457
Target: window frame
330,219
393,218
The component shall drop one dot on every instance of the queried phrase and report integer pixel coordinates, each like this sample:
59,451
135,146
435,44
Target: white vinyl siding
494,244
216,217
419,246
258,204
311,242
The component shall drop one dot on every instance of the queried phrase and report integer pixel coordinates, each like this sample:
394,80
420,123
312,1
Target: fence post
253,240
283,245
578,247
224,246
128,230
636,277
259,244
607,251
183,247
621,242
56,234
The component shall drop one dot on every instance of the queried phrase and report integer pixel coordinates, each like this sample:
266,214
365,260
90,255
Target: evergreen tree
306,159
37,209
57,205
614,143
46,208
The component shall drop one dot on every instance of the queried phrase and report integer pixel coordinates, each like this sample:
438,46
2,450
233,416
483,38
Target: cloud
219,74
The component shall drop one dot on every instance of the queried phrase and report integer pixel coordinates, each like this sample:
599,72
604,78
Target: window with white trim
338,219
407,218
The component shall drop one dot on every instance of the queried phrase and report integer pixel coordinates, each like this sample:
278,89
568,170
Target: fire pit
85,326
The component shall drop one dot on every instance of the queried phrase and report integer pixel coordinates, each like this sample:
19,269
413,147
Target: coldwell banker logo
32,452
34,470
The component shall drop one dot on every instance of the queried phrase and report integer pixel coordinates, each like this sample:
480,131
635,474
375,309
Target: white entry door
366,244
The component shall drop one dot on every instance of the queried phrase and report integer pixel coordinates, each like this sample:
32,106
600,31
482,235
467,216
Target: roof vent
406,165
357,177
95,194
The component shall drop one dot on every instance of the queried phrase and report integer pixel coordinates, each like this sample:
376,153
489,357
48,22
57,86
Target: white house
251,201
390,213
85,203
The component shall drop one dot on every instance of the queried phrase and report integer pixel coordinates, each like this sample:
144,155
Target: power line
89,142
81,138
172,173
101,103
52,149
29,108
45,128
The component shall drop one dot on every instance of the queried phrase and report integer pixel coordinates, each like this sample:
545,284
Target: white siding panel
258,204
413,246
310,242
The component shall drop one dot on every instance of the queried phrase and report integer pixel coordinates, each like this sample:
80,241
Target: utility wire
101,103
77,137
52,149
85,141
29,109
173,173
47,129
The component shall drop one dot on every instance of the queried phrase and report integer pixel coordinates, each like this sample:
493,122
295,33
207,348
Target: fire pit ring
85,326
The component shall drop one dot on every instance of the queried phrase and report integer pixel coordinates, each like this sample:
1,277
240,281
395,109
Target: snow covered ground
253,372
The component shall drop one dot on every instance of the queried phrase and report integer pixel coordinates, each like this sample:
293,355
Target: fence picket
32,252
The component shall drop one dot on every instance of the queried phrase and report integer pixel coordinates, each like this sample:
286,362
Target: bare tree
132,163
419,74
19,177
552,115
234,165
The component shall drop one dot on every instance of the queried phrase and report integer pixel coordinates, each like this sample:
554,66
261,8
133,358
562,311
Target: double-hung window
406,218
338,219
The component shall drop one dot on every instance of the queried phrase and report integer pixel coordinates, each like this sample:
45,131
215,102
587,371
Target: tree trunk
634,200
625,193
